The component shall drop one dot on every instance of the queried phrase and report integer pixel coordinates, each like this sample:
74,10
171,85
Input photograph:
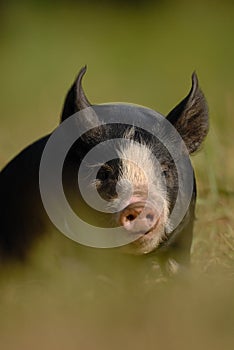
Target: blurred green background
142,52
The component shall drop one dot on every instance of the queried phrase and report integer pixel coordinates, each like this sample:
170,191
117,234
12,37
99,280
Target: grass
145,56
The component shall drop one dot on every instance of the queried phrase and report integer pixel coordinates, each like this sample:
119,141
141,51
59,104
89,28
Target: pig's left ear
190,117
75,100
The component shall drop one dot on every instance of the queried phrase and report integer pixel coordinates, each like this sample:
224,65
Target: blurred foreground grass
143,55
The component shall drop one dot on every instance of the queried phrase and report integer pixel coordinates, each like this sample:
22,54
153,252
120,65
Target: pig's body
24,219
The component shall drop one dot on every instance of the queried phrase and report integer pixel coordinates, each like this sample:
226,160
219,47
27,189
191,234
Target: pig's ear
75,99
190,117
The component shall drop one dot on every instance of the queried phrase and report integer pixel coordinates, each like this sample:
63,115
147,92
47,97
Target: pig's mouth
153,228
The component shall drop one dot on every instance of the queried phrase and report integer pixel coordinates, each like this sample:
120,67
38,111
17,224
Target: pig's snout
139,217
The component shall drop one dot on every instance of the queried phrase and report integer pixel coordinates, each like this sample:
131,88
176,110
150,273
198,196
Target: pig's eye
165,171
104,173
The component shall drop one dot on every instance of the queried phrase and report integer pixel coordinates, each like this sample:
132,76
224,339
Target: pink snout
139,217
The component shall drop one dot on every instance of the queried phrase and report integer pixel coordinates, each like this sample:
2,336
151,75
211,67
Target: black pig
24,219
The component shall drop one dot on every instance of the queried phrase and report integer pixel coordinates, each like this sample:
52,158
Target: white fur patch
140,167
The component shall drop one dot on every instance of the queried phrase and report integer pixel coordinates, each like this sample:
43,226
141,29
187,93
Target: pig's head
138,182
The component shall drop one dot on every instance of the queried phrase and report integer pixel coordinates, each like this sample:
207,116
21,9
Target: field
143,54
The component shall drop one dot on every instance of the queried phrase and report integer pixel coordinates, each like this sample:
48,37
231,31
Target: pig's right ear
190,117
75,100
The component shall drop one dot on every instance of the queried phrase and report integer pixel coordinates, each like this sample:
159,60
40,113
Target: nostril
150,217
130,217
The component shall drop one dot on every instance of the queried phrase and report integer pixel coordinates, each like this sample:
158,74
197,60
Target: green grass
145,56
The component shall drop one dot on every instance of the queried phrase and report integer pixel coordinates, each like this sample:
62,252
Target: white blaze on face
137,164
142,171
